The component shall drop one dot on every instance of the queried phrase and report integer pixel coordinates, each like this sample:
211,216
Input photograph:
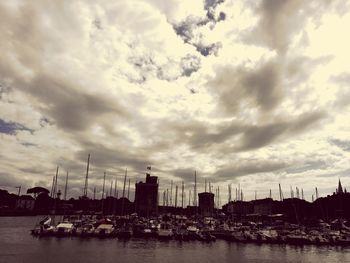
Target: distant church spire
340,188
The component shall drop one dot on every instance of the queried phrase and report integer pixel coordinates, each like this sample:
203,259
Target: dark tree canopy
37,190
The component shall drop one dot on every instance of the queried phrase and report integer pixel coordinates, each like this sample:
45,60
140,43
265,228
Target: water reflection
17,245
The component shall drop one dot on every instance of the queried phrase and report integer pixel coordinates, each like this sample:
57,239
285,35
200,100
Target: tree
37,190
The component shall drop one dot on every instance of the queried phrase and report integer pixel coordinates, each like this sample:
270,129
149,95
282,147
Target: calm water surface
17,245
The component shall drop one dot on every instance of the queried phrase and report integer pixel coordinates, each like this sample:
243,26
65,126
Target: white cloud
122,81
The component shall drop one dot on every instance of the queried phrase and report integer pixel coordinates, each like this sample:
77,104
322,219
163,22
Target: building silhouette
206,204
146,196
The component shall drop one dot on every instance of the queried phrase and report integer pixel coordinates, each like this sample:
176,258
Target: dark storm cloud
342,144
208,4
32,170
340,174
210,7
4,89
342,79
190,64
187,29
11,128
113,158
207,50
306,121
278,20
259,136
343,96
202,137
70,108
146,66
307,166
60,100
11,181
260,87
299,69
281,20
183,174
247,168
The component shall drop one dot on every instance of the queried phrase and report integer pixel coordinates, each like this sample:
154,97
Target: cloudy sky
249,92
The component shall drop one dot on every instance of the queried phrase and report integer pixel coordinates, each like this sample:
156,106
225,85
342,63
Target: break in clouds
242,92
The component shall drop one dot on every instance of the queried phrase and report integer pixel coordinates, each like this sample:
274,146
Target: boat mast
103,186
110,189
281,194
115,188
175,196
55,190
239,191
167,197
218,197
129,189
65,188
86,177
195,189
52,186
229,193
182,195
171,193
103,191
126,172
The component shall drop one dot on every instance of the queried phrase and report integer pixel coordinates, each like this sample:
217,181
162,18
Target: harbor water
17,245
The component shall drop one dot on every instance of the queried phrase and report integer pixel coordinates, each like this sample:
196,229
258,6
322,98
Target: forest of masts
173,197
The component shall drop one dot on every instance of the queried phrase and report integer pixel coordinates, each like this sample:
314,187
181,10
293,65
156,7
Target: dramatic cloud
280,21
248,168
242,92
239,87
344,145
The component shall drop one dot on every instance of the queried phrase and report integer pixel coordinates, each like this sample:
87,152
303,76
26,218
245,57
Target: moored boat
165,231
63,229
104,231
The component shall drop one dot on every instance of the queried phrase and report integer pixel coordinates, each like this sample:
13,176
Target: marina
17,246
182,228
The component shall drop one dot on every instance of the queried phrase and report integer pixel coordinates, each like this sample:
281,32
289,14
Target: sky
254,93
